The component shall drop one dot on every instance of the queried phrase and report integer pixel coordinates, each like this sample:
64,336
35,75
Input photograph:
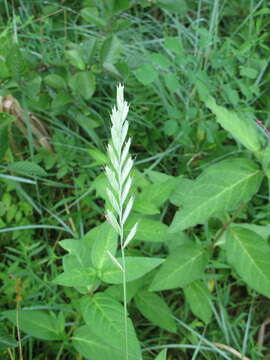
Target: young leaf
160,60
199,299
221,187
91,16
40,324
146,74
110,50
81,277
79,248
104,336
55,81
249,254
185,265
83,83
136,267
75,59
241,128
155,309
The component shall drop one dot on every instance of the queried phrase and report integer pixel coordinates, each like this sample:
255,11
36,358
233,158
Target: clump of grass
120,181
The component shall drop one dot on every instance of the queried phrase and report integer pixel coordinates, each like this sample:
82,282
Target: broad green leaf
263,231
172,84
78,277
249,254
91,235
155,309
265,157
158,177
78,270
248,72
160,60
80,249
199,299
146,74
204,91
40,324
148,229
179,6
170,127
263,11
136,267
92,346
162,355
75,59
105,241
242,129
231,94
27,168
112,69
177,239
144,207
121,5
98,156
185,265
221,187
91,15
180,191
110,51
174,44
155,195
132,287
104,336
83,83
88,49
61,99
55,81
32,87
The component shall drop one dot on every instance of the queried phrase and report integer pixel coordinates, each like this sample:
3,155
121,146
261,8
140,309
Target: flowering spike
121,164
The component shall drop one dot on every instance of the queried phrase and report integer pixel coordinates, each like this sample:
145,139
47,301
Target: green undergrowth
196,76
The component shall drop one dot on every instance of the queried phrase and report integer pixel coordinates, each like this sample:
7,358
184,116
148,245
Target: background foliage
196,74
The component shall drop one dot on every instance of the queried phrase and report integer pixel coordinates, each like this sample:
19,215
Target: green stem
124,293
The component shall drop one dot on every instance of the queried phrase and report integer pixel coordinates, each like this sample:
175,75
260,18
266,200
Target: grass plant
196,74
120,181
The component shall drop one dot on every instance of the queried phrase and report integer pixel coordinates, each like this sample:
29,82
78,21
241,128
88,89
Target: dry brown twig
9,105
261,335
231,350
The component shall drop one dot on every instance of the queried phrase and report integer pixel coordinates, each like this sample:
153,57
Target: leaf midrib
220,194
250,257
